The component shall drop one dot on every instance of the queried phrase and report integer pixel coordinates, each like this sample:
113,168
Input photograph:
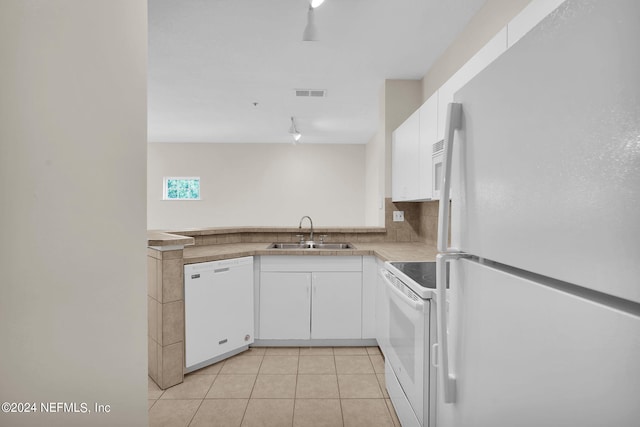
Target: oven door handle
416,305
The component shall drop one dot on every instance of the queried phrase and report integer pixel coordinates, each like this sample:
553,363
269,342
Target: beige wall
375,165
73,322
398,99
258,184
402,98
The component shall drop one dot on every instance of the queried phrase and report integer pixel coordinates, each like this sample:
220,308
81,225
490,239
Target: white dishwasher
218,298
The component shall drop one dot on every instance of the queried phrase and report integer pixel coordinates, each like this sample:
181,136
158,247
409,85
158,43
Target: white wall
258,185
72,216
485,24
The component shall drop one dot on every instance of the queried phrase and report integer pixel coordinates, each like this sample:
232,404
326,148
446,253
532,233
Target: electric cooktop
423,273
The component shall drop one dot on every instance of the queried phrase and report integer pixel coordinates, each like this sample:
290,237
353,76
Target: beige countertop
387,251
417,251
158,238
234,230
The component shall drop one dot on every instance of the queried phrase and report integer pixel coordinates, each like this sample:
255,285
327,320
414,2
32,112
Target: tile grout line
391,418
295,391
205,396
244,414
335,364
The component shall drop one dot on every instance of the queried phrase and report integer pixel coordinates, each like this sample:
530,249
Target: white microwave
436,170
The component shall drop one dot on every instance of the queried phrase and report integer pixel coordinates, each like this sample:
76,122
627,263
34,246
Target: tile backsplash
420,225
420,221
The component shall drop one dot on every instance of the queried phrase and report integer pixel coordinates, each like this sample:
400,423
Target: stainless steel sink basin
311,245
287,246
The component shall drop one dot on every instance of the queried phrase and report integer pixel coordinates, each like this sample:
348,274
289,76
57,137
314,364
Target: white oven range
408,332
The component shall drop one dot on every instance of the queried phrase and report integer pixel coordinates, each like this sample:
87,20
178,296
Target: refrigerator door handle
447,376
454,119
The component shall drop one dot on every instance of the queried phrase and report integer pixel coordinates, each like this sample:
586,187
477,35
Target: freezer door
546,166
527,354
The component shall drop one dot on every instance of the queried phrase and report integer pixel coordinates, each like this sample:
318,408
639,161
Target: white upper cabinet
428,136
405,161
412,148
529,18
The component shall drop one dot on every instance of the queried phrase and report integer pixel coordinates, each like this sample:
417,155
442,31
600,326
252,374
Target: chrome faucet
310,222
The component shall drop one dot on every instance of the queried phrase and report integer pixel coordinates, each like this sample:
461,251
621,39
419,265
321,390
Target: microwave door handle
454,118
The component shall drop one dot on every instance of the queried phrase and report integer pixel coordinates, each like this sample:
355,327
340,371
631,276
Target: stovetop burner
423,273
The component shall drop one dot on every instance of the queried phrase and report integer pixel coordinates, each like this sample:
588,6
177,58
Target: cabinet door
428,136
285,305
336,311
405,148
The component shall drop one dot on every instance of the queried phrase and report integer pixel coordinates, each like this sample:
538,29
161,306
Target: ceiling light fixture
310,33
293,130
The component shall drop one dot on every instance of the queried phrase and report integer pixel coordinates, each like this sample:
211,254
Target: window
181,188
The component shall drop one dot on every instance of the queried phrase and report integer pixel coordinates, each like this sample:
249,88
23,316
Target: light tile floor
280,387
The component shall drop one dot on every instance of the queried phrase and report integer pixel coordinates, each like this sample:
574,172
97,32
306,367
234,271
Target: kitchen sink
311,245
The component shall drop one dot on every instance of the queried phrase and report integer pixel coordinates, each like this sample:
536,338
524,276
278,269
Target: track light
293,130
316,3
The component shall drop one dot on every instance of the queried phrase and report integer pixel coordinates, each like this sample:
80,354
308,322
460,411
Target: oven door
408,342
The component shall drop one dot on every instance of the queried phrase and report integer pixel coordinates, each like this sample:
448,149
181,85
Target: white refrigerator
540,325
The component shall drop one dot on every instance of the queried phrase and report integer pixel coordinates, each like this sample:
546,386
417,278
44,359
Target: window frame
165,181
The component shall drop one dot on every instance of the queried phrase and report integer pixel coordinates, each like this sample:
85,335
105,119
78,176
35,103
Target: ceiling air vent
311,93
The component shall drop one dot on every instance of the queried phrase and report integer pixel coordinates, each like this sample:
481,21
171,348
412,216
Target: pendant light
310,33
293,130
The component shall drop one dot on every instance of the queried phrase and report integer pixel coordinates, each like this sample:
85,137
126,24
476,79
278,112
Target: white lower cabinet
336,305
315,303
285,305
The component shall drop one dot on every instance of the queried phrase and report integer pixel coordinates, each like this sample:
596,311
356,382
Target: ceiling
225,71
